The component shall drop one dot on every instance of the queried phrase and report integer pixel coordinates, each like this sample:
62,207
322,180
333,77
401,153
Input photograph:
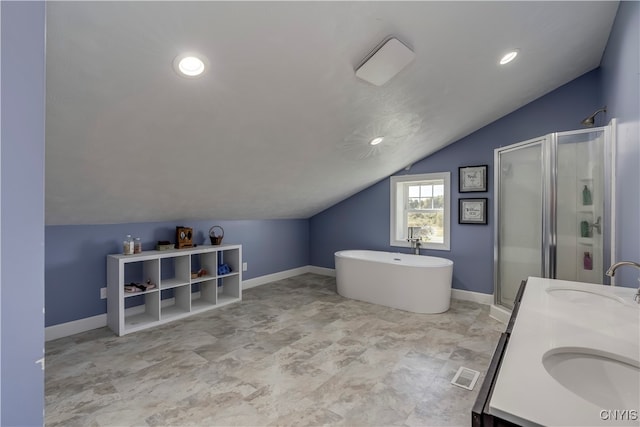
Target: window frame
397,203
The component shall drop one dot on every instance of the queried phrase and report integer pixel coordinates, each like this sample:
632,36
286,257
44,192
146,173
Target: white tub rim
395,258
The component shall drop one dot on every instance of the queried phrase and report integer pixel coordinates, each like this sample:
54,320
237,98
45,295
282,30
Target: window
421,202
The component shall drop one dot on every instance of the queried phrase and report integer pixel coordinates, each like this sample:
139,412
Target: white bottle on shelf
128,245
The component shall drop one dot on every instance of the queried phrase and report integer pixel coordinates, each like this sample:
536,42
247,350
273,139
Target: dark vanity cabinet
480,414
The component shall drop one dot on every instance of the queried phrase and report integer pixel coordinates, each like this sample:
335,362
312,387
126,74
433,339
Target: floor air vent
465,378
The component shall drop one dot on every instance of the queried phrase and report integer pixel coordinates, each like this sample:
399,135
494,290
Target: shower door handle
597,226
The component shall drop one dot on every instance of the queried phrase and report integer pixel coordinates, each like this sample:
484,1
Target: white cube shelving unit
176,294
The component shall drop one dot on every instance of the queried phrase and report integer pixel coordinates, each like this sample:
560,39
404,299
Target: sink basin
604,379
585,296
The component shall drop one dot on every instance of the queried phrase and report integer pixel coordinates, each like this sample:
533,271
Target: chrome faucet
414,241
415,245
612,271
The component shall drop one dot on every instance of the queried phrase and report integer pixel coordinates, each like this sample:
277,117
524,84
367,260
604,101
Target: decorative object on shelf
472,211
586,196
164,245
127,245
224,269
472,179
137,246
132,287
216,233
139,287
584,229
200,273
587,262
184,237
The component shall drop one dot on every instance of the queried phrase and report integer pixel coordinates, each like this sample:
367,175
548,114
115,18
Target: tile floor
293,352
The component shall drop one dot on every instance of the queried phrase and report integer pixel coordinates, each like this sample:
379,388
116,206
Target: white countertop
525,393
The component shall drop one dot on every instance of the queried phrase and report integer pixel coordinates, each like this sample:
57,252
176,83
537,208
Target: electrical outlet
103,293
244,266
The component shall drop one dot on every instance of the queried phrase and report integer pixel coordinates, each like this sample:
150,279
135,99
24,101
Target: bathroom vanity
570,356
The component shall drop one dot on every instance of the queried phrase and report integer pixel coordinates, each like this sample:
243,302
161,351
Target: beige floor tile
293,352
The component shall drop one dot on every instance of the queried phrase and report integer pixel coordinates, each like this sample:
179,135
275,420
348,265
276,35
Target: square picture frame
472,179
472,211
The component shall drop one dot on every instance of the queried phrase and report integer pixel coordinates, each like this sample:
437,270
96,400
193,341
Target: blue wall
621,88
362,221
75,256
22,223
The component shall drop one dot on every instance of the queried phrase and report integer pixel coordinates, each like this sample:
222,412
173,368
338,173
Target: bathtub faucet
415,244
414,241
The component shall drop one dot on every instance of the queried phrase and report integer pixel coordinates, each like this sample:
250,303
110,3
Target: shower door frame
549,167
497,168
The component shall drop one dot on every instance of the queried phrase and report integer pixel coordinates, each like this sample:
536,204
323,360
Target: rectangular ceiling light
385,63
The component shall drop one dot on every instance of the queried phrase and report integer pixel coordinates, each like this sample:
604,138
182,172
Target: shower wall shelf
177,294
586,241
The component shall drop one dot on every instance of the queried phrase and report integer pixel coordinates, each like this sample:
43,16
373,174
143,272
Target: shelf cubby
144,314
205,296
230,288
175,271
232,258
175,302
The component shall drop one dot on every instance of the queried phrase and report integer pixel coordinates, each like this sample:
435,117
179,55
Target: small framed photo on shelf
472,179
472,211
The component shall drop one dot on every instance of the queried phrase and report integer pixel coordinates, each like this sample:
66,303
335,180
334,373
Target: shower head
590,121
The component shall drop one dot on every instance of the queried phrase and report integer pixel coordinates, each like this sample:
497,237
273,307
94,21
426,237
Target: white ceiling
278,126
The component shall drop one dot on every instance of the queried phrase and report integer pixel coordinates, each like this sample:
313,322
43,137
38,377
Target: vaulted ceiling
279,125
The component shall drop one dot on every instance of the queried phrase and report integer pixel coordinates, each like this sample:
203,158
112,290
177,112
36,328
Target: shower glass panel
553,209
580,214
519,210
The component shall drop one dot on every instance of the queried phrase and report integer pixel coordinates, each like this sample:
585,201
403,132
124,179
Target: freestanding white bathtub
417,283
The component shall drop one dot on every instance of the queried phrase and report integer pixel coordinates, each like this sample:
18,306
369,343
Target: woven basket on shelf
216,239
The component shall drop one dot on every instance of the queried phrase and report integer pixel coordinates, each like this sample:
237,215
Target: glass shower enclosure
553,209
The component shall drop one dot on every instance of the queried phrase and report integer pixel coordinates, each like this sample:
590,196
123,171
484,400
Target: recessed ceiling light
189,65
509,57
376,141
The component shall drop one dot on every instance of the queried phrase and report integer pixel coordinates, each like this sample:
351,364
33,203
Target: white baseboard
82,325
99,321
502,315
268,278
478,297
322,271
75,327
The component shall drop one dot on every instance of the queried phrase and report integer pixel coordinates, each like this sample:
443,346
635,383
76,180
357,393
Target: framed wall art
472,211
472,179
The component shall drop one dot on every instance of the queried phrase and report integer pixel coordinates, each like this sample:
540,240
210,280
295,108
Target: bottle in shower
586,196
584,229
